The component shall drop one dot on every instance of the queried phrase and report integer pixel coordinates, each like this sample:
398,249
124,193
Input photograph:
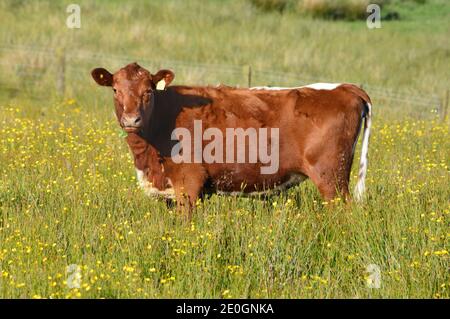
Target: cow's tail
361,183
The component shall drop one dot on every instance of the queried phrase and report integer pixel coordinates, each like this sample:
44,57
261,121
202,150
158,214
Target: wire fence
42,72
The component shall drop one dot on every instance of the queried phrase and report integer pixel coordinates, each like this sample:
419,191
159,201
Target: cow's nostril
137,120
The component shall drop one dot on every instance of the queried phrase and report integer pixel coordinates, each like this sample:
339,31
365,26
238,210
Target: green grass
68,194
412,54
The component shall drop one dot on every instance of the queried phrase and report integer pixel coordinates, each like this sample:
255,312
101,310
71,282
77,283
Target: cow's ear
162,79
102,76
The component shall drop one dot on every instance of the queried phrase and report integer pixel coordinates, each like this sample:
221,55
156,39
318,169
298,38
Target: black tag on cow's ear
167,106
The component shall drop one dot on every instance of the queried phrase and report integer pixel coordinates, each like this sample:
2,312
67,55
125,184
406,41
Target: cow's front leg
186,198
185,204
188,186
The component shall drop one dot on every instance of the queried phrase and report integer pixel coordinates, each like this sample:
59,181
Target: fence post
61,72
444,108
249,75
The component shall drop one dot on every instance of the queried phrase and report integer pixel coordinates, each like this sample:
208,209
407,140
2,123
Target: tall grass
68,195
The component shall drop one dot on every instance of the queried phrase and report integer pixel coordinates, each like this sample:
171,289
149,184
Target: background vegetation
68,194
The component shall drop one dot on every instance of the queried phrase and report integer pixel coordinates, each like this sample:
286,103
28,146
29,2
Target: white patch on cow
315,86
153,191
272,88
322,86
294,179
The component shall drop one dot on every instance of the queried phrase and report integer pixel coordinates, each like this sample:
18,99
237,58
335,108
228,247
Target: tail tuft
361,183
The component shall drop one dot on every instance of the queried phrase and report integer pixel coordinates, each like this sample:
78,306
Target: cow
315,129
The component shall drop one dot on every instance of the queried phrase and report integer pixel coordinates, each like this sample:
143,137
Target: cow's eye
115,91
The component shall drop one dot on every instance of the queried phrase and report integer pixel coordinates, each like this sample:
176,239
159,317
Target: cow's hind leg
330,180
330,171
329,160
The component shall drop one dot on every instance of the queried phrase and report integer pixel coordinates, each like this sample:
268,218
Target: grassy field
68,195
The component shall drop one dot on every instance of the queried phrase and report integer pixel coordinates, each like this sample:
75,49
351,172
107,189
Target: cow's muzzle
131,123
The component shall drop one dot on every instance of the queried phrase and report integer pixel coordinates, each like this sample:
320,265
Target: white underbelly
150,190
294,179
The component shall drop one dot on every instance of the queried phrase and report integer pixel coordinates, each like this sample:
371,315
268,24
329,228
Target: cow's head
133,88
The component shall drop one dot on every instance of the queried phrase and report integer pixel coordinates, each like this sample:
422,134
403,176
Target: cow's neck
147,160
154,142
167,105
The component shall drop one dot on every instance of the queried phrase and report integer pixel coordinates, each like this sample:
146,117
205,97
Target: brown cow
317,127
